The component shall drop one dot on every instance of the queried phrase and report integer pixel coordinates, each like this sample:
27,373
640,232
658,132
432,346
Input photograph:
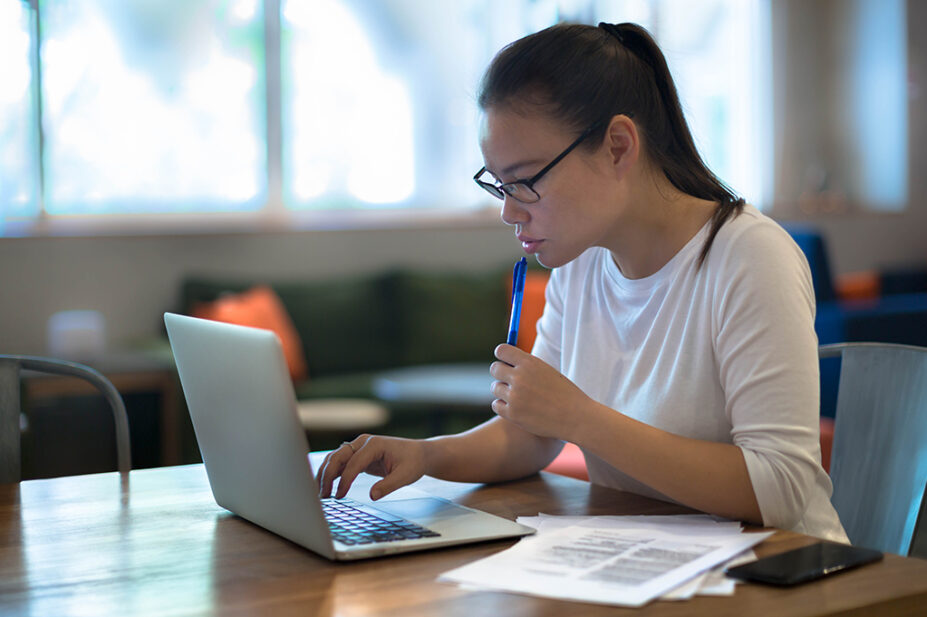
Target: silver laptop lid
243,409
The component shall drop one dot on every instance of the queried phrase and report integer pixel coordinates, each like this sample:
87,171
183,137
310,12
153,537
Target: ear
622,142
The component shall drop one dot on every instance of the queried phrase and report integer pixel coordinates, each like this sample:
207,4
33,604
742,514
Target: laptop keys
354,523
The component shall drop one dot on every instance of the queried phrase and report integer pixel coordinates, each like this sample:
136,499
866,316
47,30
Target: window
718,53
379,99
292,108
348,111
152,106
18,140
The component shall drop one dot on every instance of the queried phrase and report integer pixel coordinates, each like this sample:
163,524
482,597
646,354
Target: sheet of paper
713,583
687,590
699,523
717,584
622,565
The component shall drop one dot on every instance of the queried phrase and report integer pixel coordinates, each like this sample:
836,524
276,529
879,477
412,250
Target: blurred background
143,142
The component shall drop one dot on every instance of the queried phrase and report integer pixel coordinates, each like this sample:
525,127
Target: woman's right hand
398,461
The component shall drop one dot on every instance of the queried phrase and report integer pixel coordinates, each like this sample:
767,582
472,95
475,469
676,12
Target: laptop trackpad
422,509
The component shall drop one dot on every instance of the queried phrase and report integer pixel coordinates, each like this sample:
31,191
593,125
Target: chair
10,367
570,462
879,459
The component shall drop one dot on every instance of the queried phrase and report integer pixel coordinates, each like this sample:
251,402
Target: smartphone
805,564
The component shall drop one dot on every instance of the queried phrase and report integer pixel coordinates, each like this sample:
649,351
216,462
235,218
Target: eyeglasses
523,189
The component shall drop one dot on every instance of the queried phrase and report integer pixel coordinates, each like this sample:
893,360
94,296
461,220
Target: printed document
625,563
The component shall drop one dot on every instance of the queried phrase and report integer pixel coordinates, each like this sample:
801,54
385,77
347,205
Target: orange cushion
570,462
859,285
260,307
532,306
827,442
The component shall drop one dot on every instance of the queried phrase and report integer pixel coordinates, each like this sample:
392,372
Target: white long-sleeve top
724,353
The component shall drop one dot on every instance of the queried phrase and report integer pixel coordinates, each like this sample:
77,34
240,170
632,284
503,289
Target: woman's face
576,209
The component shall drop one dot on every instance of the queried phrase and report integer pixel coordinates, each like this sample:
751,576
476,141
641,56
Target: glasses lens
487,182
492,189
521,191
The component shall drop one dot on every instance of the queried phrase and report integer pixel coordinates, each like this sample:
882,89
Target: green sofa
354,328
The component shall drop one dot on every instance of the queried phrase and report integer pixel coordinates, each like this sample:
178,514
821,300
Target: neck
660,220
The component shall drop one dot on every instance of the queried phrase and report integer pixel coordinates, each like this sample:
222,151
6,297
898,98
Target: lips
530,245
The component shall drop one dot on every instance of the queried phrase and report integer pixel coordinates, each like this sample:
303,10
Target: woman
677,346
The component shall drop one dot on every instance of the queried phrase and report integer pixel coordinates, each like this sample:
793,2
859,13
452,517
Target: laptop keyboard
351,523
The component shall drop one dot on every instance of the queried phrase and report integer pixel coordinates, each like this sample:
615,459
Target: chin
551,260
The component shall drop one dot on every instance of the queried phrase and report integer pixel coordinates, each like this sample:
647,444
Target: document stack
616,560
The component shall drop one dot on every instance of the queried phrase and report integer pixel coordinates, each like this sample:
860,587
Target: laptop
243,409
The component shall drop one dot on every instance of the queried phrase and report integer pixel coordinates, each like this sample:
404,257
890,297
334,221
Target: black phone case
805,564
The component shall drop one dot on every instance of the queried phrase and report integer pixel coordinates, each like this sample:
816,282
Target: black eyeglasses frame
499,191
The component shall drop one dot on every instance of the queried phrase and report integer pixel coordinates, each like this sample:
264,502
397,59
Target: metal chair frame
10,408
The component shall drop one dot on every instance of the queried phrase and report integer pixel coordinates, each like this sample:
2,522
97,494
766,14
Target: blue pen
518,290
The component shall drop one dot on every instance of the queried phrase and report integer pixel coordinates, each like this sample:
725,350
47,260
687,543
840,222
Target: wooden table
155,543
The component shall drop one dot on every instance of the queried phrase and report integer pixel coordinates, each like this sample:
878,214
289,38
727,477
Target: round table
462,387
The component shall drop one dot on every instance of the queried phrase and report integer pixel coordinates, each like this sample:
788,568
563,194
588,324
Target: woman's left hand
535,396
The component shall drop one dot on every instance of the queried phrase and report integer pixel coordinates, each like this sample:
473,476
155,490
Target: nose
513,211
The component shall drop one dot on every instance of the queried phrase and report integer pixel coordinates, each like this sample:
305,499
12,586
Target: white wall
133,280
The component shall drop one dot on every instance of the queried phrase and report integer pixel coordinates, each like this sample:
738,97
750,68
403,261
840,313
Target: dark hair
585,75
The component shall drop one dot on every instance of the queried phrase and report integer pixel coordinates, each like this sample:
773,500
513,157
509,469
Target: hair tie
632,45
613,30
